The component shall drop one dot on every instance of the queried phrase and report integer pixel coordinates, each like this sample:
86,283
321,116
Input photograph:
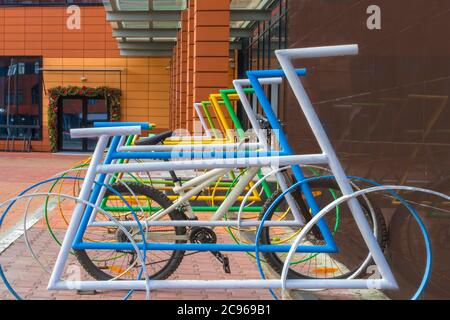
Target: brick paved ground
21,170
30,280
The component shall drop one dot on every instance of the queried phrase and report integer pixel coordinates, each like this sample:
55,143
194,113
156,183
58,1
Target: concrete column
190,70
178,84
172,113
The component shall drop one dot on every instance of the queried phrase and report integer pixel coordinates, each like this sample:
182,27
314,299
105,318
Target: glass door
79,112
71,117
96,111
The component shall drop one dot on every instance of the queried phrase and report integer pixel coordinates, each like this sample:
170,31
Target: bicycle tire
161,199
277,264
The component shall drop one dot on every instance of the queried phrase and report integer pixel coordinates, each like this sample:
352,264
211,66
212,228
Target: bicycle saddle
157,138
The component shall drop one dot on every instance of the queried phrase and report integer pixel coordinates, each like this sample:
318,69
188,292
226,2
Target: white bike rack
328,156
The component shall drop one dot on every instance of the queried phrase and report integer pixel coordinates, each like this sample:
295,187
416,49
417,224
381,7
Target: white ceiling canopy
150,27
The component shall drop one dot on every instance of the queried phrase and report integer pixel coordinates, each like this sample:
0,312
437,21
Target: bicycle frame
81,214
224,97
195,186
202,120
205,147
173,145
215,101
221,117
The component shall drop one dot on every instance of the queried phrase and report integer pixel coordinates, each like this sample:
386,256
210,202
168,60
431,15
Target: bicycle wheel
353,254
125,264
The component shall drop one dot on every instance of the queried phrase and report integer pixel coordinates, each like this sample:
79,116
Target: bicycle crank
208,236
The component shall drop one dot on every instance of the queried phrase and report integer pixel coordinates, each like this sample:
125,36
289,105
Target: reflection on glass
80,113
386,111
96,112
72,118
20,97
157,5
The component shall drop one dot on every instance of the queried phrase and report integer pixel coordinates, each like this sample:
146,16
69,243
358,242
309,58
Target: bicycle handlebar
274,73
142,125
105,131
318,52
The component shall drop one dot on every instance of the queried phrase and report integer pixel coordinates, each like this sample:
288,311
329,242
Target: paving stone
31,281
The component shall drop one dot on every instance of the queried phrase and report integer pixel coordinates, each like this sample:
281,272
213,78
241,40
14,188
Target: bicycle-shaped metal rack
173,227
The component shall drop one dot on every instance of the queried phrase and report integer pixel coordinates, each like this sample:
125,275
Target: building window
21,97
259,51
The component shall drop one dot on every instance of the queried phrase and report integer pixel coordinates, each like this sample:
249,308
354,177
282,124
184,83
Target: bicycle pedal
87,292
226,265
224,260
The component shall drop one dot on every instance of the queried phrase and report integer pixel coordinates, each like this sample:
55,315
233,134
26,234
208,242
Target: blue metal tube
253,76
143,125
275,73
199,247
96,191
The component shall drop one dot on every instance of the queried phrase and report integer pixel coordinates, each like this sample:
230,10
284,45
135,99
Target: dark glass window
259,51
20,97
386,111
268,36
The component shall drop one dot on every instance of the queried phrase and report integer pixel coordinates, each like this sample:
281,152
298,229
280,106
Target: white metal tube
238,85
107,131
187,139
103,188
188,223
210,175
215,163
191,147
319,52
268,81
284,57
184,198
202,120
237,190
79,210
223,284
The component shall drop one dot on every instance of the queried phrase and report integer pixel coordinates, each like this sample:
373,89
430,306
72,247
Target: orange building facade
91,51
201,59
160,89
87,56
